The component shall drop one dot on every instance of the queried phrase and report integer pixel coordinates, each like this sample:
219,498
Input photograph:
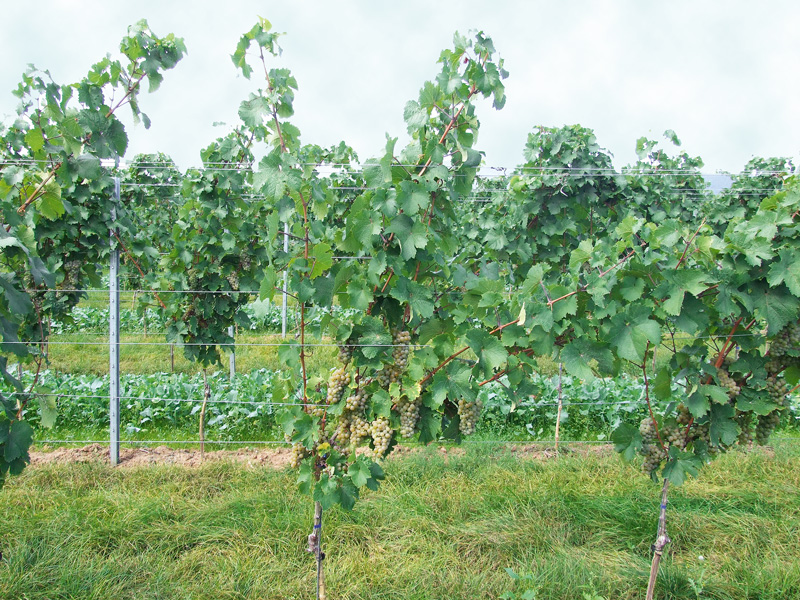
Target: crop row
244,409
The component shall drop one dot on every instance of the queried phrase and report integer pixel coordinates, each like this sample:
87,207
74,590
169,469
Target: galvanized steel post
113,335
284,307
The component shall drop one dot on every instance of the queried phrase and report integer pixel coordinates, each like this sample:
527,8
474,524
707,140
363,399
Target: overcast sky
722,74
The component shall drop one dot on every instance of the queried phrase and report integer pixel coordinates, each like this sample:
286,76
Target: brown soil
277,458
135,457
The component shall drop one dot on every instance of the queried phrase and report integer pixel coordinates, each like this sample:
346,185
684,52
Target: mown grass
441,526
143,354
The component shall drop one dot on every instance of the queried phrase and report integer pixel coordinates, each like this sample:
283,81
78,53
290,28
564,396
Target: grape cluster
671,435
337,381
745,421
299,452
72,273
766,424
652,451
725,380
469,411
356,402
786,343
684,416
233,280
193,279
359,430
409,415
381,432
392,373
245,262
345,353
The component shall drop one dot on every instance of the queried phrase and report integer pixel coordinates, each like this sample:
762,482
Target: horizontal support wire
283,443
222,345
106,442
268,403
351,168
664,339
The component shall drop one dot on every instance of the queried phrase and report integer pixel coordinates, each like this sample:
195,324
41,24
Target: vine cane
662,539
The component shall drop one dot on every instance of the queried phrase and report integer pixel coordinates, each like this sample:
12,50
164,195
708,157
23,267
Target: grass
441,526
143,354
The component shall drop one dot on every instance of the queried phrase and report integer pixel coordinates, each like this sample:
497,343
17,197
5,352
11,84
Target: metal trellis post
284,306
232,357
113,336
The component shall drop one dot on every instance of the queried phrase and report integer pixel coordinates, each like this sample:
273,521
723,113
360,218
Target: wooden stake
558,416
206,394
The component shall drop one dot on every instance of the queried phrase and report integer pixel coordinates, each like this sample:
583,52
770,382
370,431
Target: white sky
722,74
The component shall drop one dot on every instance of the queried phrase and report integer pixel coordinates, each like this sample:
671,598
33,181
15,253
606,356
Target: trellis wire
533,404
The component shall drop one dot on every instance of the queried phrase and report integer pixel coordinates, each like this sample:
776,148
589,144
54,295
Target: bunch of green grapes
409,415
745,421
337,382
299,452
651,449
469,411
725,380
359,430
777,389
786,343
392,373
356,402
345,353
381,432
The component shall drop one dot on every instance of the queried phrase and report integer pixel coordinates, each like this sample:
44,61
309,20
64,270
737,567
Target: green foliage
445,283
56,200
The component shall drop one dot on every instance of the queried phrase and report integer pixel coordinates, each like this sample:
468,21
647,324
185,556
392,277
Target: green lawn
443,525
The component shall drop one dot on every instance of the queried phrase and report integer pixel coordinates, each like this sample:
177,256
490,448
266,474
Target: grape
390,374
359,429
726,381
409,415
469,411
193,280
381,432
357,402
299,452
745,421
765,426
233,279
345,354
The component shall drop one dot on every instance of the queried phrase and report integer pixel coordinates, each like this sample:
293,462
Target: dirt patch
134,457
276,458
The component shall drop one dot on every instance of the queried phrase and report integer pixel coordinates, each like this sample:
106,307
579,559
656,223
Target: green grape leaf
321,260
724,428
490,351
680,465
19,302
786,270
429,425
578,354
349,495
778,309
631,332
627,440
48,407
305,478
327,492
17,437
